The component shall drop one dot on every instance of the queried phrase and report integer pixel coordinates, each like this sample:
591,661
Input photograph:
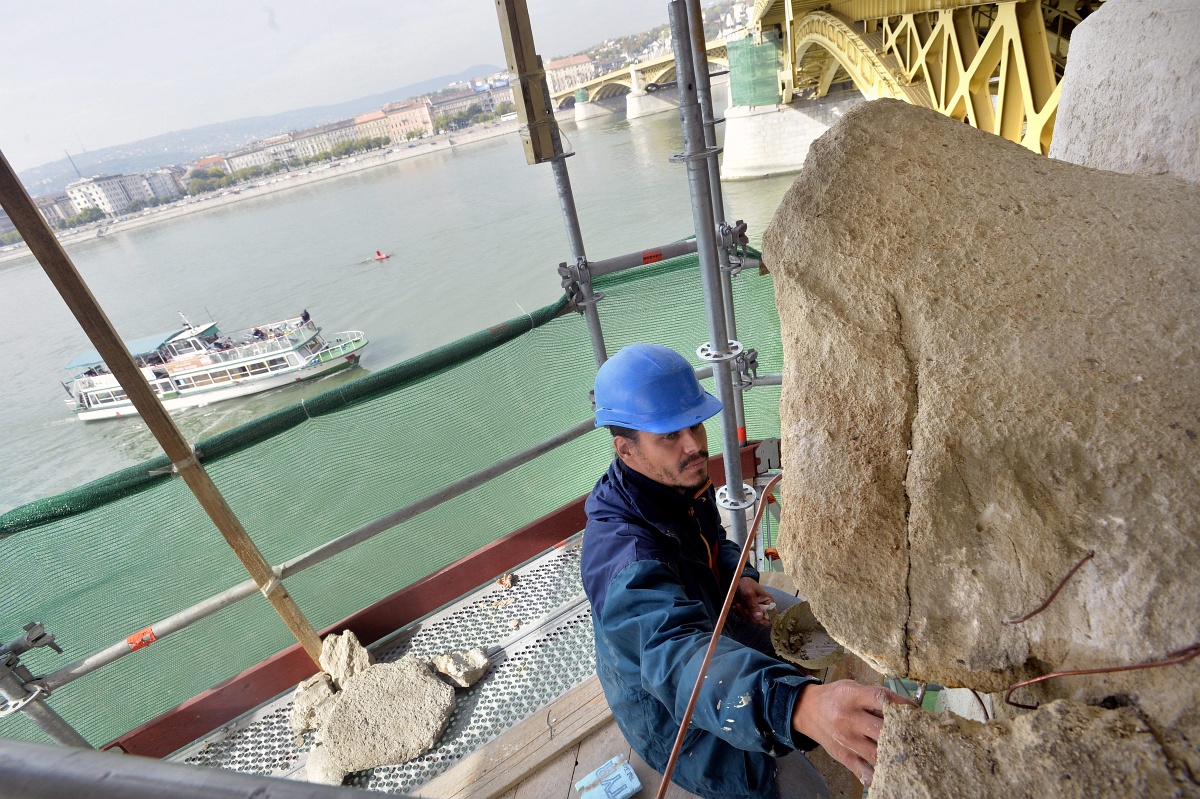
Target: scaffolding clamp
733,239
747,369
577,282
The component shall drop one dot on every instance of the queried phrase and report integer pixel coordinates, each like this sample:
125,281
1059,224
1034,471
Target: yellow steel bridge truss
997,66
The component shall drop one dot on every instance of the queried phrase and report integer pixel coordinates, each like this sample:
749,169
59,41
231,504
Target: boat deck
532,727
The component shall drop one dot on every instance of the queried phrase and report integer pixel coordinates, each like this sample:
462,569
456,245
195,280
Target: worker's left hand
751,601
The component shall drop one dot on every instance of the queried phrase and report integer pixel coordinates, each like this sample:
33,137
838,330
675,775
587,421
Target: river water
475,232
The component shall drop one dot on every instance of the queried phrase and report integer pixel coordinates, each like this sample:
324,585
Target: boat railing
342,343
280,337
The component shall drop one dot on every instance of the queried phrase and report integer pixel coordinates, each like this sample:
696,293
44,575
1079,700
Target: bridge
997,66
636,81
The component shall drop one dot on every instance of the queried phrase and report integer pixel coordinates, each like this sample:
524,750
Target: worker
656,567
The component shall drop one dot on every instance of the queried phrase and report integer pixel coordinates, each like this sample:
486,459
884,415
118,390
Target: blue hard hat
652,388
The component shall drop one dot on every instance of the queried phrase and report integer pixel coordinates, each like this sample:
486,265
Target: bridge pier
585,110
773,139
640,103
763,136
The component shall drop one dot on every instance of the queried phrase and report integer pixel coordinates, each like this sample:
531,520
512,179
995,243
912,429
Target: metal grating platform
549,654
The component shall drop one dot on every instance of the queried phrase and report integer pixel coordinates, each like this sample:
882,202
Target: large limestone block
387,714
1064,750
991,368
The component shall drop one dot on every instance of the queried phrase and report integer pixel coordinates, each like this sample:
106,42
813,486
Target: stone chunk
320,769
1064,749
342,656
311,703
387,714
463,668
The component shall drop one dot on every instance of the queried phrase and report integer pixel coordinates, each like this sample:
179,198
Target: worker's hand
845,718
751,601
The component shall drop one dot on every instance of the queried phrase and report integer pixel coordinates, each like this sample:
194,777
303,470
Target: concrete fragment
311,703
320,769
463,668
387,714
342,656
1064,750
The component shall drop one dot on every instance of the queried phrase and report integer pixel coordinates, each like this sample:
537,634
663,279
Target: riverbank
277,183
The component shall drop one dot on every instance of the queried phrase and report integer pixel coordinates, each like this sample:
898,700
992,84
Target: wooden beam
91,317
524,749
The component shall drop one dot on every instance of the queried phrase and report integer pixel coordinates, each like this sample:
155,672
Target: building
406,117
501,93
450,105
112,194
567,73
164,183
372,125
55,208
314,141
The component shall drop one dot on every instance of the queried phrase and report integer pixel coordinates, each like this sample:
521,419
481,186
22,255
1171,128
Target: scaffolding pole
720,350
709,120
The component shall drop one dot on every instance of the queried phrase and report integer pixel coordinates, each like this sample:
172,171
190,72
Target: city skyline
81,77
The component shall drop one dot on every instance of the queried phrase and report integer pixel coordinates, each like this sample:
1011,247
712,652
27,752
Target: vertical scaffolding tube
695,158
708,115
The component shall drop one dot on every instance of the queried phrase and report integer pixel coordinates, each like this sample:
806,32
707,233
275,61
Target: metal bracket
747,369
749,497
768,455
573,278
708,353
707,152
35,636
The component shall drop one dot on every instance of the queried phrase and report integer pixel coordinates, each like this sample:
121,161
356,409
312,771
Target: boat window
202,380
258,368
277,363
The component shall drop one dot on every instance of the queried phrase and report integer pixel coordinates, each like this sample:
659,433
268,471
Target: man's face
678,459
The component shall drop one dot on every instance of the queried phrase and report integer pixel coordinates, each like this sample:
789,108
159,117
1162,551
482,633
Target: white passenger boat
196,365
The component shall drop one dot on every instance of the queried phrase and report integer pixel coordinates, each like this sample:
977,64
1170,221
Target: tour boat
195,365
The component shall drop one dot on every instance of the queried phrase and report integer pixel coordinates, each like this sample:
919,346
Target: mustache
702,455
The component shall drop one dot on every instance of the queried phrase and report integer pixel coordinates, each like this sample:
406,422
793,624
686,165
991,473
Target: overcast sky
80,74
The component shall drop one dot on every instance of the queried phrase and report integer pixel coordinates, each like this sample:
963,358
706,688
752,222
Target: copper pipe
712,644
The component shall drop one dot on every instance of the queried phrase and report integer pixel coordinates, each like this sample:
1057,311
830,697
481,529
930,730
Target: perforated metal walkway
551,652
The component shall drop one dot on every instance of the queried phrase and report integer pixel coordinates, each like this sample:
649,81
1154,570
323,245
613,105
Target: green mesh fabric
754,71
111,557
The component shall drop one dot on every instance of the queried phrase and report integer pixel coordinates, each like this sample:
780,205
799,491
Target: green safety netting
754,70
113,556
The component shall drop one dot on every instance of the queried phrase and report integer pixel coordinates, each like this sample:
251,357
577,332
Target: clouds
76,74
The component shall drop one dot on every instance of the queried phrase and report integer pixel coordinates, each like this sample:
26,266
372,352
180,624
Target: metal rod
14,690
708,117
207,607
631,260
566,201
40,771
699,189
103,335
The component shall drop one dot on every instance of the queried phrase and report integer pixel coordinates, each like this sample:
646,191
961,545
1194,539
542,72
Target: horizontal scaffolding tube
40,771
651,256
327,550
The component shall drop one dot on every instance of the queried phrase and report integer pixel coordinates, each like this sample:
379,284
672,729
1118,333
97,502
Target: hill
180,146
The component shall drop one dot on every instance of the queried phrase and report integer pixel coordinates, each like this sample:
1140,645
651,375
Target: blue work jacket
656,566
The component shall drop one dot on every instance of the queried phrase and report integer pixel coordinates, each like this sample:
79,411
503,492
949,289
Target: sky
79,75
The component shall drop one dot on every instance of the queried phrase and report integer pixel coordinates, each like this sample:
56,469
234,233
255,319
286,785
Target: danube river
475,232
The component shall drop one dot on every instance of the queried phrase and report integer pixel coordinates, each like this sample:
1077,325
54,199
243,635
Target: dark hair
623,432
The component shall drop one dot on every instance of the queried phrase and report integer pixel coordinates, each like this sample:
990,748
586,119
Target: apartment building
567,73
372,125
112,194
412,115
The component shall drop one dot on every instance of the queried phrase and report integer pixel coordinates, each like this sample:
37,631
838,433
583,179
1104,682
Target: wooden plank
552,781
524,749
651,780
596,750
